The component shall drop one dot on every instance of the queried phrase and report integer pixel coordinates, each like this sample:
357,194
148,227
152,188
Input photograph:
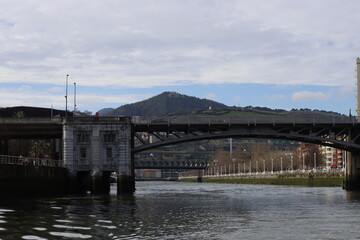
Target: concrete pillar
125,184
352,178
100,183
199,177
126,171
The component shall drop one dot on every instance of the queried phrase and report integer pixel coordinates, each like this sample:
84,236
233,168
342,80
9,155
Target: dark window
109,138
83,137
109,153
82,153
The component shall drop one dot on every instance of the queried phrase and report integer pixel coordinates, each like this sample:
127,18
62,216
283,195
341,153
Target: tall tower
358,87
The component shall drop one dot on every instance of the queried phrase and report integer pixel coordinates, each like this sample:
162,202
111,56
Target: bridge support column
352,178
100,183
126,175
125,184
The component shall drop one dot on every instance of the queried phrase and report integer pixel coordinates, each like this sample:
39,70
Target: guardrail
273,119
5,159
31,120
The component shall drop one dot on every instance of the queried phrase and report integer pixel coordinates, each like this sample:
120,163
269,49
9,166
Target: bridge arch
340,137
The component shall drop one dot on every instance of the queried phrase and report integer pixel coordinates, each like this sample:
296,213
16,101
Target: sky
276,53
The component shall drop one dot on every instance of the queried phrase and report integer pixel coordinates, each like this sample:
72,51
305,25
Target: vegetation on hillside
166,103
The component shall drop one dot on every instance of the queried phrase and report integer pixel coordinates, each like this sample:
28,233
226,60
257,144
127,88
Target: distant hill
167,103
105,111
175,106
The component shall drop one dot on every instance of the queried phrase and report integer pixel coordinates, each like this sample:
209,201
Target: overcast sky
272,53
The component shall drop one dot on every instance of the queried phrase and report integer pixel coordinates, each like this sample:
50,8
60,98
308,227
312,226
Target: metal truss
344,136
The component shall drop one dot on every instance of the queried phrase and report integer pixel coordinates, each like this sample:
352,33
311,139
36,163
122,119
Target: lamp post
66,94
272,165
314,162
281,167
74,97
292,164
303,158
264,165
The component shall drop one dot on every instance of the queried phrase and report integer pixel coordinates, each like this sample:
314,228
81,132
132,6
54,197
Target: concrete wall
27,180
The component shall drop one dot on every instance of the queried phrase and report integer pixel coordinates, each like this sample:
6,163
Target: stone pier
352,178
94,148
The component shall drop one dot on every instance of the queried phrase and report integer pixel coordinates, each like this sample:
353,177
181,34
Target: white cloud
28,97
310,96
211,96
117,44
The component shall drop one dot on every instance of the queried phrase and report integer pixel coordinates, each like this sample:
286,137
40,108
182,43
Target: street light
264,165
66,94
303,158
74,98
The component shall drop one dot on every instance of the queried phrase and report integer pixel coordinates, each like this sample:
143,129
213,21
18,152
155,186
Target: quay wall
330,179
31,180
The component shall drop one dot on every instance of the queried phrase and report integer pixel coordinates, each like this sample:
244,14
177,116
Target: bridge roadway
147,135
341,135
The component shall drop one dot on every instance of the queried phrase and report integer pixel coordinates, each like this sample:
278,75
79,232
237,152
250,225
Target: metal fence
20,160
293,119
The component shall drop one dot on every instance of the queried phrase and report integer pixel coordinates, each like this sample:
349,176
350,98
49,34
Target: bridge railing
31,120
249,119
19,160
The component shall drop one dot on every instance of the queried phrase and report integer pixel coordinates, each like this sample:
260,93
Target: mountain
105,111
167,103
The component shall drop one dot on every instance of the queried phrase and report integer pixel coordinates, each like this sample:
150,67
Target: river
175,210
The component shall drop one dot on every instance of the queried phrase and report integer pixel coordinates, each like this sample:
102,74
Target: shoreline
332,179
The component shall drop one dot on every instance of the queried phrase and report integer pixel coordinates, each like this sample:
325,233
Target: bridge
92,147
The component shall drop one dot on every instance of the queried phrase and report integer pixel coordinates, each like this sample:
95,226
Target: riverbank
329,179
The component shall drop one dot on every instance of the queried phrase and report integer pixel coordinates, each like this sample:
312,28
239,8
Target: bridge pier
352,178
100,183
99,146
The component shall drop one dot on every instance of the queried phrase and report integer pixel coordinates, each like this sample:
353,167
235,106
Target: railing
32,120
273,119
5,159
97,119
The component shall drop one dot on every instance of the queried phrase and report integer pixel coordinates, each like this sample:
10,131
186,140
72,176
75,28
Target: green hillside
180,107
166,103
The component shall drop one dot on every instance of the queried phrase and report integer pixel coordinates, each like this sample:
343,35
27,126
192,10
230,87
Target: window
109,138
109,153
83,153
83,137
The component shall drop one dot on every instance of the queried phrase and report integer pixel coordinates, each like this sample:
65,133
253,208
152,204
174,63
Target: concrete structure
95,147
358,86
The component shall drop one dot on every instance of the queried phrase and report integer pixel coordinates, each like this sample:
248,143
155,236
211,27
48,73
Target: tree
39,149
19,114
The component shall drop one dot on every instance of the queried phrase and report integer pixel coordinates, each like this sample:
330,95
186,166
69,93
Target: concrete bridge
93,147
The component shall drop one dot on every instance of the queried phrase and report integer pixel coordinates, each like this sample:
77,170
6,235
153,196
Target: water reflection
187,211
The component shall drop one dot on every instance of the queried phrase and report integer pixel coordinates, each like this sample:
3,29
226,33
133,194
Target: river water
174,210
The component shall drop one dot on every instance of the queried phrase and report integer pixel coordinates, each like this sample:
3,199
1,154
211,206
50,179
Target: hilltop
172,104
166,103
